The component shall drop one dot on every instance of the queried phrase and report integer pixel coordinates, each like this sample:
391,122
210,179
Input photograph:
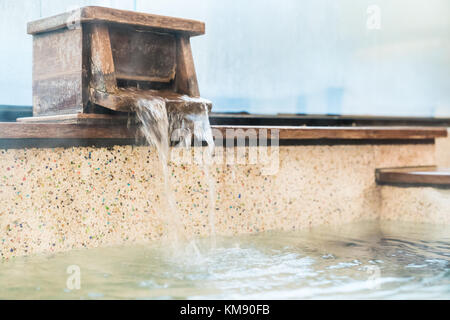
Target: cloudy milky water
362,261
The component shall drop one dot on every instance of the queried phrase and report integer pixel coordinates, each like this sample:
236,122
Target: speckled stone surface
443,151
419,204
416,204
58,199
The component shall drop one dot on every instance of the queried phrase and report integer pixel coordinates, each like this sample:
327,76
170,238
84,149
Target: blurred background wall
380,57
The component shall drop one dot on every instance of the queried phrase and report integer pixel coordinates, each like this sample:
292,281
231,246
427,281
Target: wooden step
427,175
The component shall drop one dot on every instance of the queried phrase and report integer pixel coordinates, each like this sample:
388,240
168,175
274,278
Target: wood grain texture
357,133
45,130
103,76
429,175
63,131
186,78
57,72
82,66
124,100
79,118
114,16
143,56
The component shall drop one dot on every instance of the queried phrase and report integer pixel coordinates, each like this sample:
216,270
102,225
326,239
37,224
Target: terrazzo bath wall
415,204
64,198
443,151
420,204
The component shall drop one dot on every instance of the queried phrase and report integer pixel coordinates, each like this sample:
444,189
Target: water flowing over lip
161,125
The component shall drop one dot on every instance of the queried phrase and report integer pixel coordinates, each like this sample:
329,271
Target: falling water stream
161,129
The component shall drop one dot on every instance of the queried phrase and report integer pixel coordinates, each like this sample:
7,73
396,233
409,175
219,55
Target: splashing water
155,127
197,124
160,128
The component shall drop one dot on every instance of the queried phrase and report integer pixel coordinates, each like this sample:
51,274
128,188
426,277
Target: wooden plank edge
14,130
92,14
24,130
413,176
356,133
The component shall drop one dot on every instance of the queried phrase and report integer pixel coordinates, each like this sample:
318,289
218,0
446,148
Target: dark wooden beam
353,133
11,113
114,16
14,130
186,78
11,130
103,76
429,175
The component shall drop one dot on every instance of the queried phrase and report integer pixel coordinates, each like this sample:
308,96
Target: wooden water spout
95,63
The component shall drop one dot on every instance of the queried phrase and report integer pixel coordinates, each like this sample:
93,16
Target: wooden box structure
94,62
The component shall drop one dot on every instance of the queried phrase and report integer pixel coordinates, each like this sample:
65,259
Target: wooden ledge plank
108,15
16,130
353,133
429,175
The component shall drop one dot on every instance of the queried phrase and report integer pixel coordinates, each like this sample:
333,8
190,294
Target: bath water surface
356,261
